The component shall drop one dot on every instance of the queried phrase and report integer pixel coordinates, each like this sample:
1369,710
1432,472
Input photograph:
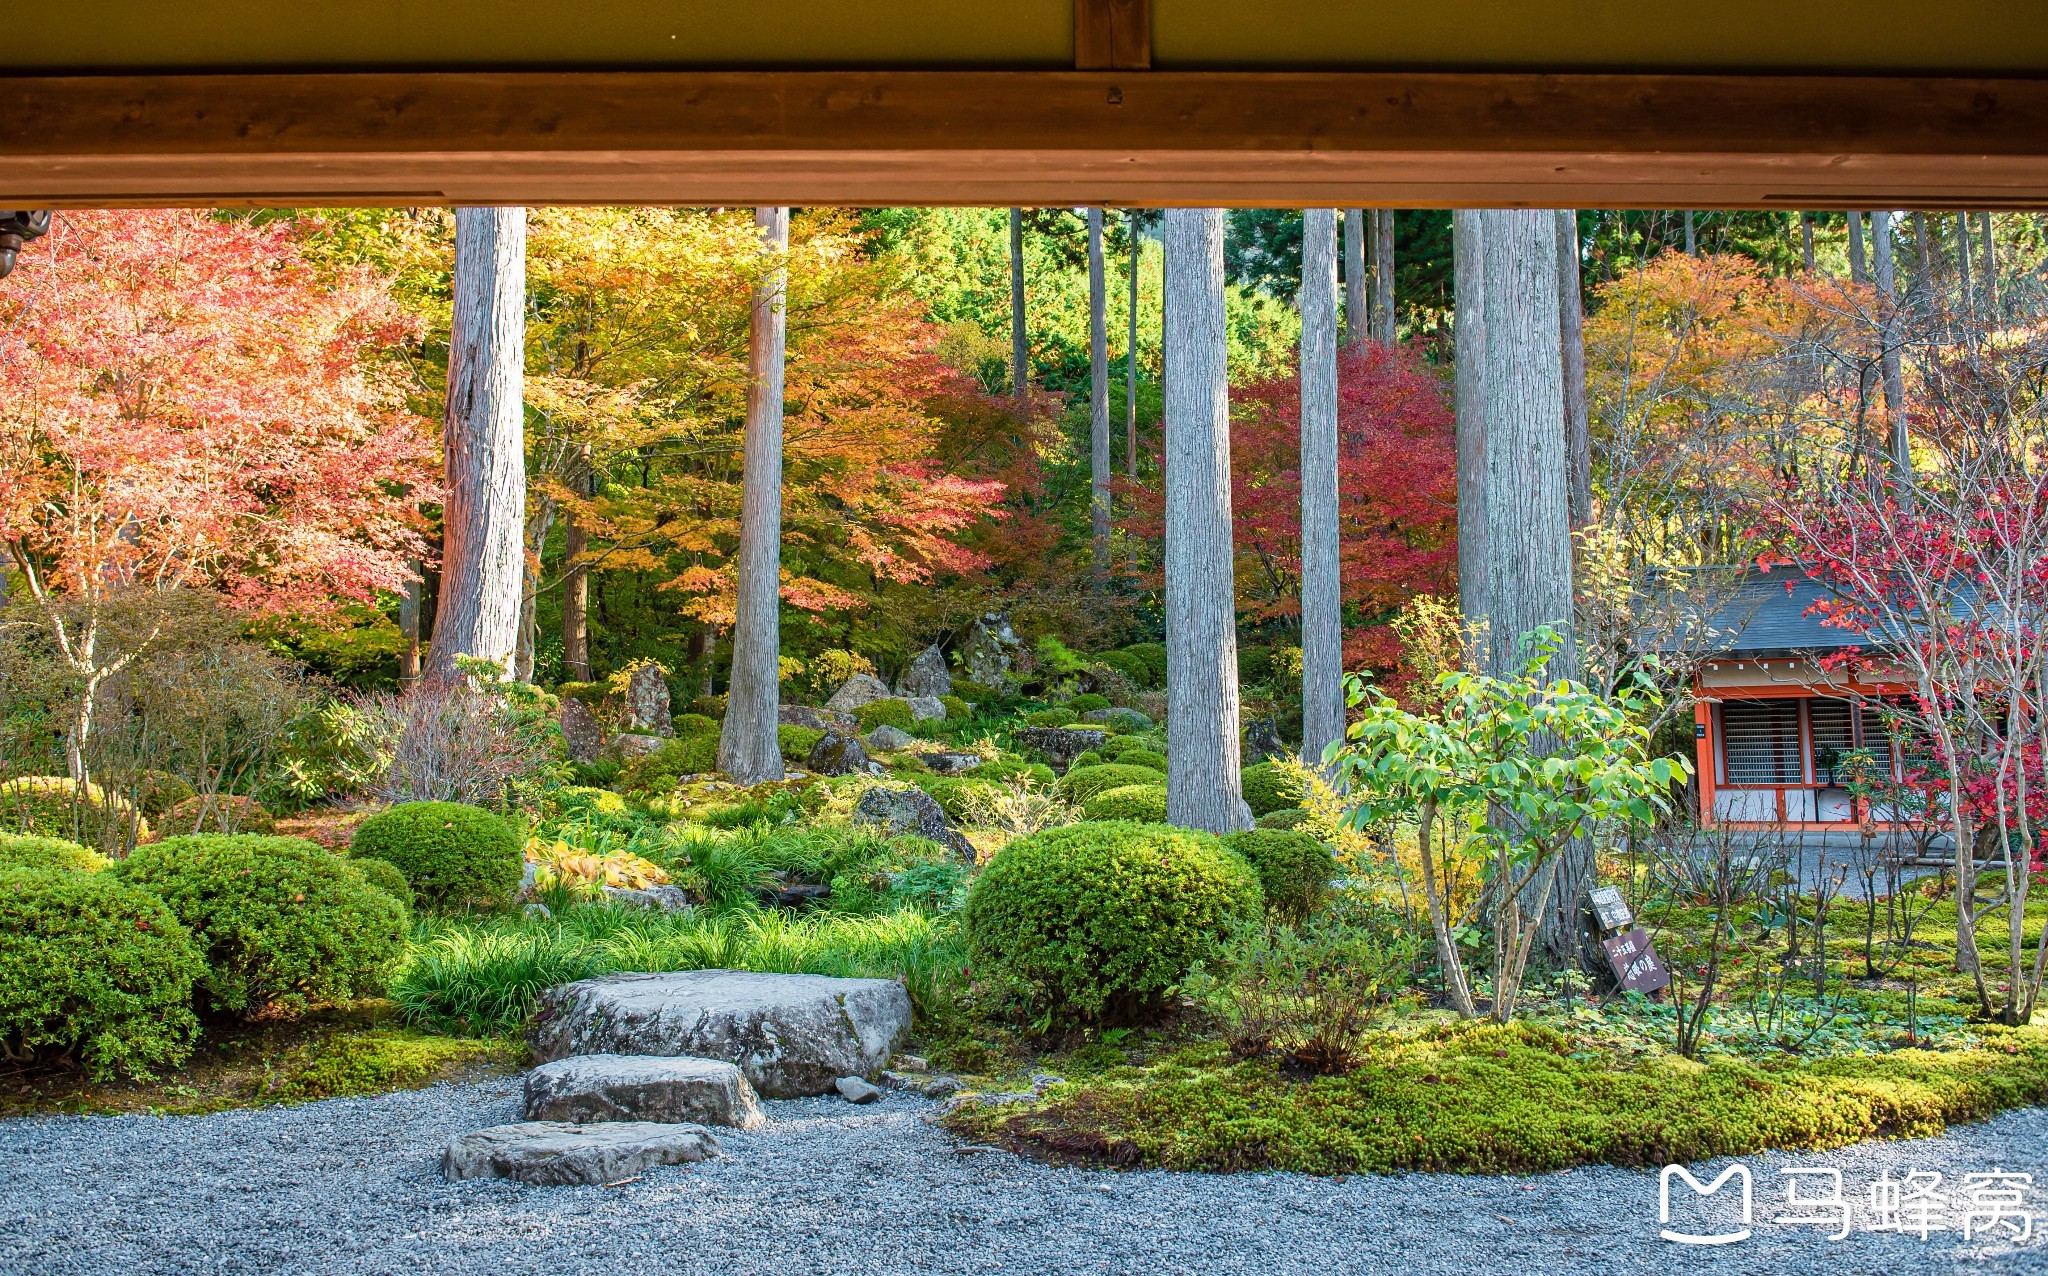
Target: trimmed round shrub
1087,757
283,923
1268,789
1116,746
1144,758
159,791
384,875
1151,660
956,708
50,854
1011,768
796,743
1057,716
1142,802
1294,869
1081,783
452,854
688,726
1284,818
1088,702
1098,922
55,806
94,968
219,813
885,713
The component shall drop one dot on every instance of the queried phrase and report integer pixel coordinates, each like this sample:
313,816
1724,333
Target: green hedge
1083,782
796,743
1098,922
451,854
384,875
94,968
1143,802
657,772
1294,869
27,850
1054,717
1268,789
1285,818
159,791
1088,702
55,806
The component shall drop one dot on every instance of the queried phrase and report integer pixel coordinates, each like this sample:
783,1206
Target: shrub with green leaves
1142,802
955,794
1142,757
1012,768
956,708
96,969
712,707
451,854
1098,922
1116,746
1150,658
283,923
56,806
1267,789
1087,702
592,803
1057,716
1254,663
1086,758
657,772
218,813
688,726
1083,782
885,713
27,850
159,791
384,875
796,742
1294,869
1285,818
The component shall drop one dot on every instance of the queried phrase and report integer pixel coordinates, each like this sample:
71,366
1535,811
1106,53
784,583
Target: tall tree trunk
484,517
1020,341
1528,529
1692,241
1322,587
1098,396
1923,278
1357,316
1888,338
1131,364
1571,314
1990,275
576,579
542,522
1203,786
1859,272
1470,391
1964,294
1806,239
1383,276
409,631
748,749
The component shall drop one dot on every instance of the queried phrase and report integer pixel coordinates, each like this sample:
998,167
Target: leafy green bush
1099,921
1294,869
602,804
1126,664
1254,663
55,806
451,853
590,693
712,707
218,813
657,772
1081,783
283,923
1012,768
1087,757
1151,661
1116,746
956,708
27,850
159,791
97,969
1284,818
384,875
688,726
891,712
1143,802
1142,757
1088,702
954,793
1057,716
1268,789
796,743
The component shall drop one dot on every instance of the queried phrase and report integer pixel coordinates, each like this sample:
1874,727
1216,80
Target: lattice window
1760,741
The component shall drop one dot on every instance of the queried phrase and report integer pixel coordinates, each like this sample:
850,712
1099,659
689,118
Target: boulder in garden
837,754
646,708
904,811
926,708
581,730
889,739
860,689
1061,745
803,715
1119,717
926,676
556,1153
950,763
791,1035
992,649
1262,740
624,1087
627,745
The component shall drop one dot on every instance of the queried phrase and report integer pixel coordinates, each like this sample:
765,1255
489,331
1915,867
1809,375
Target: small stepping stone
556,1153
856,1090
623,1087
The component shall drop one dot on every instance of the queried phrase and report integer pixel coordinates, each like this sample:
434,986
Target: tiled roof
1770,614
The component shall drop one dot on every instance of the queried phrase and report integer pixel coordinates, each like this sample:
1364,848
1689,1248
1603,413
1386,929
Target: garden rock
889,739
926,677
554,1153
837,754
803,715
860,689
950,763
646,711
1043,1081
792,1035
901,811
855,1090
926,708
628,745
669,899
991,649
943,1087
625,1087
1119,717
582,731
1061,745
1262,740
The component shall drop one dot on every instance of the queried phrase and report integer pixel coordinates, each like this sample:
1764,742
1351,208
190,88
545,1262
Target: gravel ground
351,1186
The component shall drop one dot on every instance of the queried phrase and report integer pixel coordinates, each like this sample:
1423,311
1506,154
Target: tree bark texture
541,520
1571,316
1692,240
1990,275
1859,270
1098,396
1963,290
748,749
1469,335
1322,589
1383,276
1923,279
484,517
1203,787
1020,341
1357,318
1806,240
576,581
1888,339
409,630
1131,364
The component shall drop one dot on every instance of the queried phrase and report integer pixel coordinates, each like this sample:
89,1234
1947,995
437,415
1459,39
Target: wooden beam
1112,35
1275,139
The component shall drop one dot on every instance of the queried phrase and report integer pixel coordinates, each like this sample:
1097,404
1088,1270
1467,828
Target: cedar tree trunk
1322,590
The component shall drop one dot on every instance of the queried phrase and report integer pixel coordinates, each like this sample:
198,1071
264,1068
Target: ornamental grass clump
1099,922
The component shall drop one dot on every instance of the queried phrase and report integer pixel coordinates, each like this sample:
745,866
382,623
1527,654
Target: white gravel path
351,1186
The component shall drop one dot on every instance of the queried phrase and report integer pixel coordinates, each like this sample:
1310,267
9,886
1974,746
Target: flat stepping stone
557,1153
630,1087
791,1035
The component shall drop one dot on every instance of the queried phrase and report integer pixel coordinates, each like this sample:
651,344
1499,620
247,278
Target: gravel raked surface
352,1186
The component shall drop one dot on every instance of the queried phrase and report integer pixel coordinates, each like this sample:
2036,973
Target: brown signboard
1635,962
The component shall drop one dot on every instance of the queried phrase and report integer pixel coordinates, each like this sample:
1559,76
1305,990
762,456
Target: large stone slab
555,1153
926,676
631,1087
1060,745
792,1035
901,811
860,689
646,711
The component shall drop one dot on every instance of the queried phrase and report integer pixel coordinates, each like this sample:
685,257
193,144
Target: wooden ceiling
1409,103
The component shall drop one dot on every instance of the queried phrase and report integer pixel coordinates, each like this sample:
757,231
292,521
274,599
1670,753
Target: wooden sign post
1629,950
